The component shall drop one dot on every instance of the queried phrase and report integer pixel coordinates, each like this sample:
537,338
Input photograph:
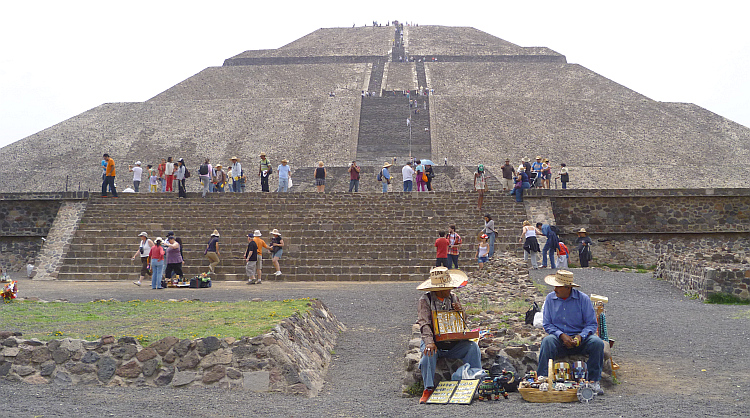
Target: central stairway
332,236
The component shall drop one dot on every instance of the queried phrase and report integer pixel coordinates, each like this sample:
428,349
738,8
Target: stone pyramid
490,100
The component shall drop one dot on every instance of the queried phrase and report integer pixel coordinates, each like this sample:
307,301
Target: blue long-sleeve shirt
571,316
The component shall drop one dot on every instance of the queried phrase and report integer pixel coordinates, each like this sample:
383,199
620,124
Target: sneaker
137,283
258,282
597,388
426,395
278,273
250,281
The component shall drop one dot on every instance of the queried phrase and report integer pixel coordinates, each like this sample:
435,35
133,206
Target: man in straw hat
385,177
264,171
285,174
570,321
440,298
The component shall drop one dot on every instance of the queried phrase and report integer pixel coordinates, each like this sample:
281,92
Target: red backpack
563,249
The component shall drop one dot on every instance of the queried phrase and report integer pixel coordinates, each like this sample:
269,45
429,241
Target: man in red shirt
442,250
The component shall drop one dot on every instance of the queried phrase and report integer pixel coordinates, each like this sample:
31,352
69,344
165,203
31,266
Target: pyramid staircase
332,236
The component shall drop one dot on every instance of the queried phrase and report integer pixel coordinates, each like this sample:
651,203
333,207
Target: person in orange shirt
109,177
261,245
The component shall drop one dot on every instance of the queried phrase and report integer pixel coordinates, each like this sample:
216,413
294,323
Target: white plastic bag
465,372
539,319
290,182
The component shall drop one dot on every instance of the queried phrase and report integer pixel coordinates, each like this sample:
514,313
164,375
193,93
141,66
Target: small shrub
726,299
415,389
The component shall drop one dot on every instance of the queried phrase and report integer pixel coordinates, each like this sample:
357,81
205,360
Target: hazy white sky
61,58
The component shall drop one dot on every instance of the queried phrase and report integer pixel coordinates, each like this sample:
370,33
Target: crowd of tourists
163,259
554,248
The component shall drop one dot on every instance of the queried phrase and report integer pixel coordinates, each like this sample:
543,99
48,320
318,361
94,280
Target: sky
60,59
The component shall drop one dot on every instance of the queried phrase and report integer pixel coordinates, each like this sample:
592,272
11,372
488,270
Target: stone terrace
462,41
401,76
266,81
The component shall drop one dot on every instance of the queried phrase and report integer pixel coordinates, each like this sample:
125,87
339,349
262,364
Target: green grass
638,269
148,321
726,299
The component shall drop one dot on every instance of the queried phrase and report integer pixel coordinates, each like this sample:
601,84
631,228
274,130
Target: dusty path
664,340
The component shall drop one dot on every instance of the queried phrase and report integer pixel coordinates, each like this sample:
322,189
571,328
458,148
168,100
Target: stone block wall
704,274
293,358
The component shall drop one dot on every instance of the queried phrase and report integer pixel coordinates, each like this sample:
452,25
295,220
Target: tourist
430,175
419,171
483,251
546,174
205,172
320,178
264,172
445,161
220,179
277,250
454,247
261,245
570,321
530,243
353,177
174,257
441,259
180,177
508,174
526,166
489,230
550,246
109,177
251,258
562,256
440,298
212,251
156,257
536,168
522,182
236,175
407,173
169,169
584,247
385,177
563,176
480,185
143,249
153,179
285,174
137,175
161,169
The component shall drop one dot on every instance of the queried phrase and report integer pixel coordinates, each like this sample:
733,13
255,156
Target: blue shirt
574,315
386,174
284,171
537,167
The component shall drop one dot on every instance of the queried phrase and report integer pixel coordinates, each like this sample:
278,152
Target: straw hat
561,278
386,165
158,239
234,158
275,232
218,165
443,279
215,233
525,159
538,157
320,164
582,231
257,233
284,160
143,234
262,154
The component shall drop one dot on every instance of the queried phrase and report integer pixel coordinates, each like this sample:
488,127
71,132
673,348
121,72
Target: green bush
726,299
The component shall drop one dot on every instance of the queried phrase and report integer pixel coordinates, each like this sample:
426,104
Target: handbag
424,177
530,314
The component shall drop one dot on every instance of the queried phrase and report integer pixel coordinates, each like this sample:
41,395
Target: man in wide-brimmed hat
385,177
440,298
570,321
285,174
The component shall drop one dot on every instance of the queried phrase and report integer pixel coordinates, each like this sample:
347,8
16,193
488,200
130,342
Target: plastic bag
466,372
539,319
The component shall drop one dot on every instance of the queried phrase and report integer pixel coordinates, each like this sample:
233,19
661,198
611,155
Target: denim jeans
283,185
157,271
354,185
467,351
553,347
385,186
136,186
205,181
163,184
491,235
109,181
548,248
452,261
564,184
408,185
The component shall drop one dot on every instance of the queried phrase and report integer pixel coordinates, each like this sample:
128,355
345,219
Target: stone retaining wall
703,275
293,358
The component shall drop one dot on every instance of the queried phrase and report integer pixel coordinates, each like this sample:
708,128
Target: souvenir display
10,290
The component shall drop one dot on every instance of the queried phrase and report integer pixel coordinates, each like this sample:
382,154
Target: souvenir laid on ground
547,390
443,392
200,281
464,392
10,290
178,281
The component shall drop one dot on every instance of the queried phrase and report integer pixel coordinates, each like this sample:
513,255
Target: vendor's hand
567,341
456,306
430,349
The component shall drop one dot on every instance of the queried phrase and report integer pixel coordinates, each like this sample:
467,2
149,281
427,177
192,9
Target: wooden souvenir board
443,392
464,392
450,326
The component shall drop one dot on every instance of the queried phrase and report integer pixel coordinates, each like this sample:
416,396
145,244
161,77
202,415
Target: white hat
256,233
275,232
561,278
137,163
215,233
143,234
442,279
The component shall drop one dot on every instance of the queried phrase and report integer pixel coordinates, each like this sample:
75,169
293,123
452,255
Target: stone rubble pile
293,358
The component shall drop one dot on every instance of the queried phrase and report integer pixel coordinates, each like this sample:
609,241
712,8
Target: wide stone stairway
332,236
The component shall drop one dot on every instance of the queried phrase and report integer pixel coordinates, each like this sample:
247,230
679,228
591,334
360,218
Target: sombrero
561,278
443,279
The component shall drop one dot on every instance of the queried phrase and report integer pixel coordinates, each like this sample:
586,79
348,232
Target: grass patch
745,315
726,299
638,269
148,321
415,389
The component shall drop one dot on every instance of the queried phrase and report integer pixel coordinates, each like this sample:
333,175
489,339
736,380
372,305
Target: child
153,179
483,250
442,250
562,256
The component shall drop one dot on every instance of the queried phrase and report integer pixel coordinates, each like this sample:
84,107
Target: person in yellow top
261,245
109,177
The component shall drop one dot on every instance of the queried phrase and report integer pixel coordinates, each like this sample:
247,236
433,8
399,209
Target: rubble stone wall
703,275
293,358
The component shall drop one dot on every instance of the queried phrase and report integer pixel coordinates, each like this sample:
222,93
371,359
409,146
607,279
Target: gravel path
664,340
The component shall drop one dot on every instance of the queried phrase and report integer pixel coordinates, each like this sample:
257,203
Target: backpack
563,249
380,175
554,229
203,170
187,173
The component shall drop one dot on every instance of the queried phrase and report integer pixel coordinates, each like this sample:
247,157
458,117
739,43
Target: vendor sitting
570,321
440,298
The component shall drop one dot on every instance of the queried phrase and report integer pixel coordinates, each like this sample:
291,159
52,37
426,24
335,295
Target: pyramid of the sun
491,100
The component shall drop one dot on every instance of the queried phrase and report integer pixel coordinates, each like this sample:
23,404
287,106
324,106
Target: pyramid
490,100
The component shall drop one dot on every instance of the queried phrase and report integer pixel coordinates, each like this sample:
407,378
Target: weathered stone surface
214,374
515,352
39,355
130,369
47,368
35,380
23,356
61,355
5,367
183,378
11,351
257,381
90,357
146,354
207,345
107,339
127,340
10,342
221,356
62,379
124,352
162,346
189,361
233,373
107,368
182,347
80,368
165,378
150,366
23,370
170,357
244,350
